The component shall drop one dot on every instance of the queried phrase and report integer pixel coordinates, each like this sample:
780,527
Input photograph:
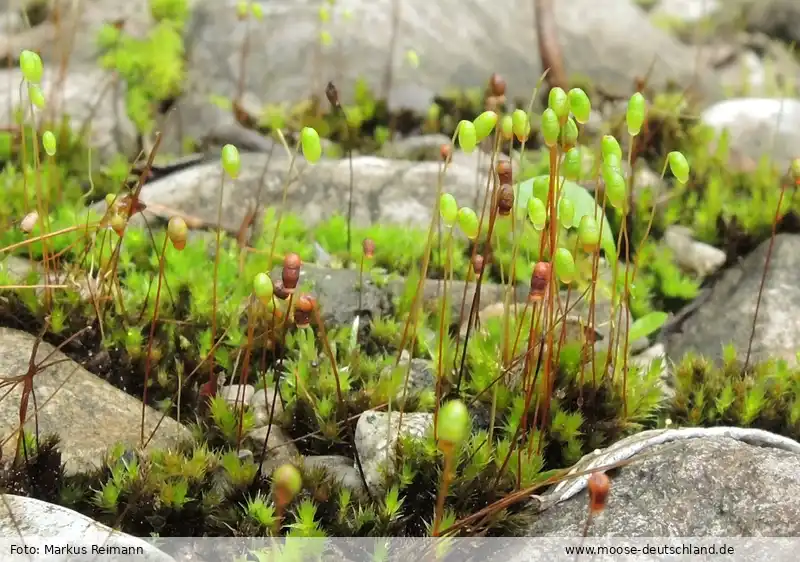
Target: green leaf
581,199
646,325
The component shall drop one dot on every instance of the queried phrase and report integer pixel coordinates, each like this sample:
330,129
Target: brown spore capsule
368,247
504,174
332,94
505,200
302,311
540,280
280,291
291,271
477,263
445,151
599,487
497,85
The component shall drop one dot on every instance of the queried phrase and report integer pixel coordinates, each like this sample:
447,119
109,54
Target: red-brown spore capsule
303,309
540,280
368,247
477,264
504,174
497,85
599,487
505,200
291,271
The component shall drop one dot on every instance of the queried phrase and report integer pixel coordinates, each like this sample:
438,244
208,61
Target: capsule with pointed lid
290,275
368,248
505,200
599,487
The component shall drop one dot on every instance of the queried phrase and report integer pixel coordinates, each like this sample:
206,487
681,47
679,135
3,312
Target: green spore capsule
257,11
507,127
564,265
311,145
635,114
615,188
520,125
572,164
452,427
468,222
49,143
448,209
537,213
177,232
579,105
231,162
566,213
467,136
610,148
484,124
36,95
263,288
795,170
31,65
287,480
589,233
679,166
557,101
242,10
550,127
569,133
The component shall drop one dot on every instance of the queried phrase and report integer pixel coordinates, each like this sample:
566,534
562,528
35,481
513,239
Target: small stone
279,446
341,469
421,376
697,257
236,394
376,437
261,405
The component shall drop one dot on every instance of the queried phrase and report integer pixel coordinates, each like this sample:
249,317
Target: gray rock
279,447
89,96
758,127
689,11
422,147
421,377
261,404
775,18
236,394
727,316
692,255
341,469
376,437
610,46
42,523
87,413
385,191
694,487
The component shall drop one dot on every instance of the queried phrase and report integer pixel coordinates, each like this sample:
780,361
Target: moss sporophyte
509,398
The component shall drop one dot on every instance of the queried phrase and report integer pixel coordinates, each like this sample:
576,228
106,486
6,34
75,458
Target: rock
611,48
338,295
775,18
697,257
87,413
41,522
238,394
421,147
758,127
719,482
689,11
376,438
262,406
89,97
727,315
645,360
421,377
385,191
758,67
279,447
341,469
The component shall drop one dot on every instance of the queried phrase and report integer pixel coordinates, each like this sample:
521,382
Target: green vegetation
516,398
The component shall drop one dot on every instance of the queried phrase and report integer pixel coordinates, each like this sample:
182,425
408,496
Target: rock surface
89,96
35,519
89,414
286,63
759,127
727,316
700,487
376,437
385,191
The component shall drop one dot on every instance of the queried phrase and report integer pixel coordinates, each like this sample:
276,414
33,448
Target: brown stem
549,48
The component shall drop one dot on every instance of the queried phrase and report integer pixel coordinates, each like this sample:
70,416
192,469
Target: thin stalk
149,353
279,215
447,476
442,329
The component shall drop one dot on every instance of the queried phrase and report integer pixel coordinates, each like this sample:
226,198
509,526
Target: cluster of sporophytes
514,399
